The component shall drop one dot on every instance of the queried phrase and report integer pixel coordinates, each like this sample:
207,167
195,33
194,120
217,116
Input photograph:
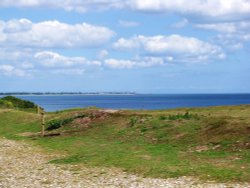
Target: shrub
54,124
57,123
6,104
10,101
9,104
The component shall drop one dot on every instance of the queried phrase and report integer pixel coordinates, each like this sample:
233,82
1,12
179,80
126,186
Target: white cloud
246,37
69,5
12,54
216,9
127,44
52,59
152,61
10,70
21,3
137,62
43,61
52,34
68,71
170,58
125,23
102,54
2,37
180,24
221,27
234,31
232,35
173,45
227,27
14,26
119,64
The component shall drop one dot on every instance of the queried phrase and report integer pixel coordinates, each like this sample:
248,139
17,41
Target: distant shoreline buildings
68,93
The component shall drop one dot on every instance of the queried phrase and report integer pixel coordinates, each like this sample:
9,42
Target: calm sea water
140,101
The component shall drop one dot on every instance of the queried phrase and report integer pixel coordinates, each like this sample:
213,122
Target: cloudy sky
146,46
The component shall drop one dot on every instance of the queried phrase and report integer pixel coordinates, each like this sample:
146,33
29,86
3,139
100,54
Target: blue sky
146,46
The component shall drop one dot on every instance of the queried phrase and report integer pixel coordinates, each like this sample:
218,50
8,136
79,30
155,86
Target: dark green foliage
144,129
57,123
10,102
79,116
54,124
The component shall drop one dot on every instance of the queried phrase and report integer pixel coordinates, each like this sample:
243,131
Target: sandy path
22,165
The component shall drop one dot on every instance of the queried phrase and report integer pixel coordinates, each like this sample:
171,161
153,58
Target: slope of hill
210,143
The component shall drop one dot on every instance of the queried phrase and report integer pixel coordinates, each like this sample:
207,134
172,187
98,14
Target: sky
143,46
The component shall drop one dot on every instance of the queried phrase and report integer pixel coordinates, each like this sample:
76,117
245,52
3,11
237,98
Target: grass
210,143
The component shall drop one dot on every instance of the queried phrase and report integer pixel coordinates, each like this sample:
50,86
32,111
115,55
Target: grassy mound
209,143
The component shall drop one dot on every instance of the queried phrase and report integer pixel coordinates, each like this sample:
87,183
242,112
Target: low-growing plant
187,116
133,121
79,116
144,129
162,117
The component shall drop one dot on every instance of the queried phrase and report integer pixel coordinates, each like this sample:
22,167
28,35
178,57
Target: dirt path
22,165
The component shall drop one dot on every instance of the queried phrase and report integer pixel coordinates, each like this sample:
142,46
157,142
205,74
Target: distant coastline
67,93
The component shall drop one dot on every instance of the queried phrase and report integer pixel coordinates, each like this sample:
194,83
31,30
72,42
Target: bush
10,101
9,104
6,104
54,124
57,123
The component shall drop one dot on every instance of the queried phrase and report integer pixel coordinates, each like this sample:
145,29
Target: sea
138,101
